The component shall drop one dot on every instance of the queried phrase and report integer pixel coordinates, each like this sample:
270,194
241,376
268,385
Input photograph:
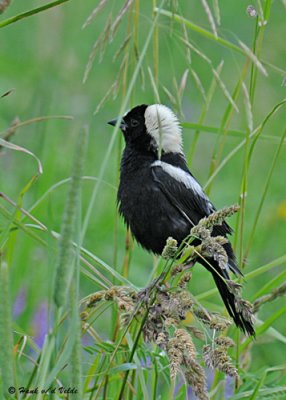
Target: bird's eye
134,123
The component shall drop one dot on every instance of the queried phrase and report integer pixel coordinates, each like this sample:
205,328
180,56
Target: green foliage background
43,58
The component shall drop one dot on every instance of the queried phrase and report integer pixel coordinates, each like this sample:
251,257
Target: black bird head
151,128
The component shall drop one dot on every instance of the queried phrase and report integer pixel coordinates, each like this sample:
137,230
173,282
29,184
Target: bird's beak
122,125
112,122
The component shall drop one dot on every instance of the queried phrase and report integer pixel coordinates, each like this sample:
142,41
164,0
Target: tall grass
102,341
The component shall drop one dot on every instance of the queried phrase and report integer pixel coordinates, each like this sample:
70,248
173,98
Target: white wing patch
163,125
181,176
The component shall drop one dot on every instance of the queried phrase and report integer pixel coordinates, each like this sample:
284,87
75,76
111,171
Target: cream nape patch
163,125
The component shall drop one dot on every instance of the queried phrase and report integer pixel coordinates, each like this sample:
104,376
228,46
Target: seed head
170,248
219,359
251,11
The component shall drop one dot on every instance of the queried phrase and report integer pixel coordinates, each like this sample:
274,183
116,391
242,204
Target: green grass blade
255,135
257,387
6,332
273,264
276,335
6,134
139,368
224,126
26,228
253,58
107,267
275,282
64,182
43,368
64,268
216,11
15,147
270,393
200,30
264,193
231,132
267,9
29,13
121,112
198,127
75,326
20,225
76,359
210,17
209,35
264,326
63,359
251,275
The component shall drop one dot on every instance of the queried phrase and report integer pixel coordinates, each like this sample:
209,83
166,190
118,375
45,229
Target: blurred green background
44,58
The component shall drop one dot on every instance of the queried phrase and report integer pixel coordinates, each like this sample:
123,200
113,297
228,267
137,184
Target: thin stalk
162,276
18,124
200,30
255,135
31,12
64,271
244,179
253,69
231,132
76,359
251,275
19,225
264,193
135,25
203,114
132,382
225,123
6,331
56,235
156,46
237,357
257,46
273,283
155,378
121,112
136,341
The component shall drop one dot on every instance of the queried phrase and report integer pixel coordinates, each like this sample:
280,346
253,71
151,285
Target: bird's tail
240,317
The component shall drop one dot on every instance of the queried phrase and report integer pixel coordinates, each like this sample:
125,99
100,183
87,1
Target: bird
158,197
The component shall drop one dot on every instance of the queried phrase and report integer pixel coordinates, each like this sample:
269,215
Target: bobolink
158,196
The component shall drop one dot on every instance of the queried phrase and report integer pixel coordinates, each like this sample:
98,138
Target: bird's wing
185,194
